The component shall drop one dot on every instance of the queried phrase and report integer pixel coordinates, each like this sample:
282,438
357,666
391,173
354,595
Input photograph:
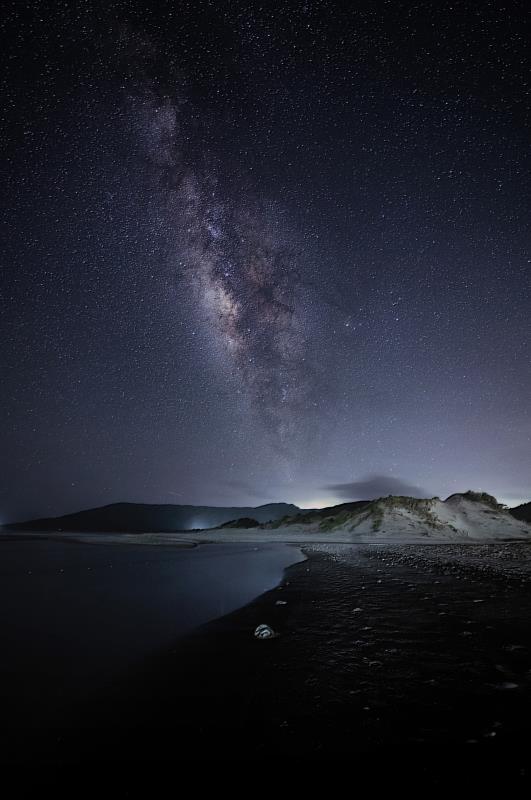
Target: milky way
243,267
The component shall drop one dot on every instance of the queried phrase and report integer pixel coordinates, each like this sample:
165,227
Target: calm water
73,616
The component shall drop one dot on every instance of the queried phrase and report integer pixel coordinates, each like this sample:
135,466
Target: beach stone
264,632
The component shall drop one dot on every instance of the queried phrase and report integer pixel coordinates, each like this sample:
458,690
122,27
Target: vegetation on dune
421,507
375,512
277,523
361,517
377,517
328,518
329,523
411,503
331,513
483,497
353,513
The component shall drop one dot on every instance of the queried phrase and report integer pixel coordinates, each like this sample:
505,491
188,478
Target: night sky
254,252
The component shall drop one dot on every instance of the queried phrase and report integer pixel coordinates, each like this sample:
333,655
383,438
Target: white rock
264,632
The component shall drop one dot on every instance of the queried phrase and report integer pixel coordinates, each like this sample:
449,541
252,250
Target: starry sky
255,252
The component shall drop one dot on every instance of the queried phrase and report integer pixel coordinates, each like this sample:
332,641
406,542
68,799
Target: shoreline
371,663
242,536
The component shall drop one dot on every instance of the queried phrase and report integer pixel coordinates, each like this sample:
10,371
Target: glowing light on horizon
319,502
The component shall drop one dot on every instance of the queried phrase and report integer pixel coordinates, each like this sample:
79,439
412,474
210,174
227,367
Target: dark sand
421,679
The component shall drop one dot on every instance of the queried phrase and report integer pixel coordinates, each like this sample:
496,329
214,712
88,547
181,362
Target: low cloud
374,486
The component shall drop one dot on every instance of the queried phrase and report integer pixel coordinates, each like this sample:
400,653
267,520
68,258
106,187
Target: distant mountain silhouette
141,517
522,512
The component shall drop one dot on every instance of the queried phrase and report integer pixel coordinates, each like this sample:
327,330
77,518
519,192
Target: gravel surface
502,560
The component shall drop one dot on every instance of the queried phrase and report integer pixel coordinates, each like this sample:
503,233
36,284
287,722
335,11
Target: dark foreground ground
382,661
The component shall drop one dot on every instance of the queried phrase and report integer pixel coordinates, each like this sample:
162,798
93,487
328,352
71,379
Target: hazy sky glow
255,253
